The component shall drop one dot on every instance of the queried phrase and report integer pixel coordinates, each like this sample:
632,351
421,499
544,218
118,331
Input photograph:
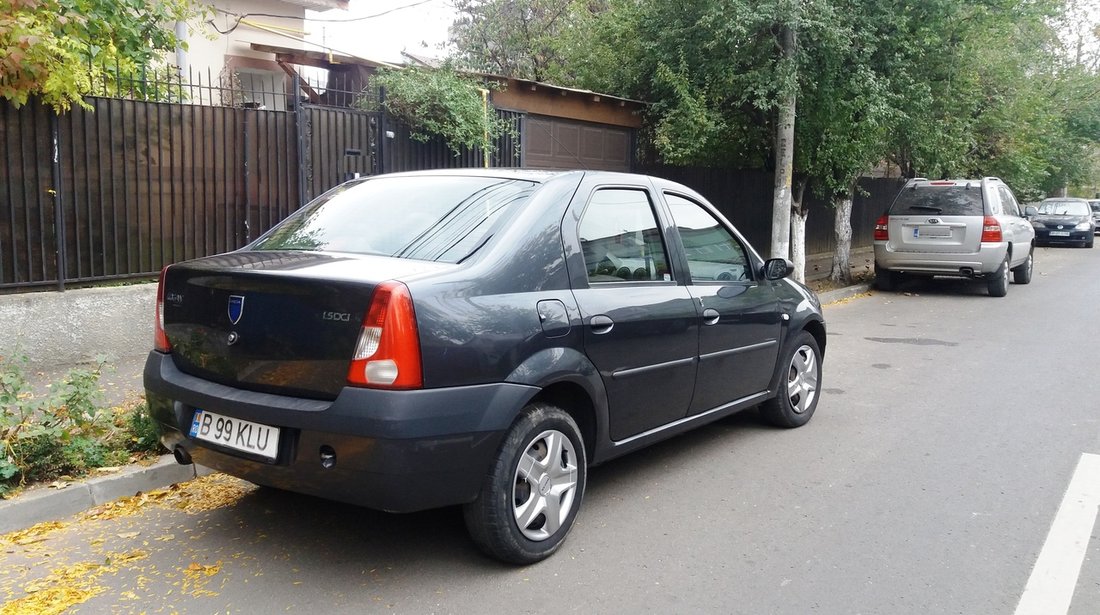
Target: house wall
208,50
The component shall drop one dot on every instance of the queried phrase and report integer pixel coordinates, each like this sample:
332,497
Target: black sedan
1064,220
479,338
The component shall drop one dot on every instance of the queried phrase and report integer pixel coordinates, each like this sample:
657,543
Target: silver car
970,228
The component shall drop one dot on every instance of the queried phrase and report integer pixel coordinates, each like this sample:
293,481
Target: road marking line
1053,580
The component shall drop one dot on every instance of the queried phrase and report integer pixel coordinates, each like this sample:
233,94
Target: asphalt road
949,430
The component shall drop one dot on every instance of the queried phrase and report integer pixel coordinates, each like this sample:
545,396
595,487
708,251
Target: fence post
381,130
59,216
299,121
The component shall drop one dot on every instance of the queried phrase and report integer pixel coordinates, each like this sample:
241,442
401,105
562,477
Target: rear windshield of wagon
940,200
434,218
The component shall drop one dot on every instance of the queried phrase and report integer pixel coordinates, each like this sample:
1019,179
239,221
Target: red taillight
991,230
160,340
387,354
882,229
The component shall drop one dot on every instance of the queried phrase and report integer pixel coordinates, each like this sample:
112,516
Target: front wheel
799,384
533,491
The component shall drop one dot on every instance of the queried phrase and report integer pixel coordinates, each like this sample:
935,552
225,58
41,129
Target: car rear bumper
985,261
398,451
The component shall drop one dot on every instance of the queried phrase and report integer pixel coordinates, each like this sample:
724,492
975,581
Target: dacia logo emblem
236,308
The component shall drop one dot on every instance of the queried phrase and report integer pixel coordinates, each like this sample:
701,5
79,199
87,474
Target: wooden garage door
553,143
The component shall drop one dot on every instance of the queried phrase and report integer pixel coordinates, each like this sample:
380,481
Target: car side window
1012,208
713,253
620,238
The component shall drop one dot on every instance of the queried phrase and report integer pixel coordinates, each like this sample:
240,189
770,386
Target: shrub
66,432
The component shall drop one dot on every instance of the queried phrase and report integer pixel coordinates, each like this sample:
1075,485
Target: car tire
1088,244
799,384
998,280
885,279
1022,273
541,467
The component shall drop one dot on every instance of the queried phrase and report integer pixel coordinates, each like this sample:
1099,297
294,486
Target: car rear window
441,218
944,200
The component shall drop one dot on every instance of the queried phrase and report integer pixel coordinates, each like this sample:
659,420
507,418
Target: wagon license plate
1059,233
236,434
933,231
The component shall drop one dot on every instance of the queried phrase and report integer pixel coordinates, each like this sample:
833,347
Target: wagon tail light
387,355
991,230
160,340
882,229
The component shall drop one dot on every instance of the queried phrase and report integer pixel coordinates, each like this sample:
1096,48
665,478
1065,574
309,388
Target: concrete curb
47,504
841,294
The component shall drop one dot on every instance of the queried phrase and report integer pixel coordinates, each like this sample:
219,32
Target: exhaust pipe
182,456
967,271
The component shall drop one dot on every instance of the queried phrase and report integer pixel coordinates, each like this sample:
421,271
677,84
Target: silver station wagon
971,228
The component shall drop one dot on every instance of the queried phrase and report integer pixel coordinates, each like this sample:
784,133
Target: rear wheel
533,491
998,280
1022,273
799,385
885,279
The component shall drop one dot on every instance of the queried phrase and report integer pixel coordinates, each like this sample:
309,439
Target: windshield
436,218
945,200
1064,208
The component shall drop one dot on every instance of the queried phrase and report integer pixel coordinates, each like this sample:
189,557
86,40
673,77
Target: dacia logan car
480,338
971,228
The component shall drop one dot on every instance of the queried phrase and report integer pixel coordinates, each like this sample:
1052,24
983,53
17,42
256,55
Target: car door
1018,230
741,322
640,324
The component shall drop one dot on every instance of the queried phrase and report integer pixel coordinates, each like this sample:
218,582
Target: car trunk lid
278,322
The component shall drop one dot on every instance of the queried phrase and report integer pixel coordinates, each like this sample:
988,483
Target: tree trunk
841,272
798,232
784,160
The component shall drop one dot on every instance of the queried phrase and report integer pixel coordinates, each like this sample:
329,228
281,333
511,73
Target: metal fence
739,195
160,168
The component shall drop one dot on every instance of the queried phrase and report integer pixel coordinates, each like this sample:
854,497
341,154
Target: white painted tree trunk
798,242
841,272
784,162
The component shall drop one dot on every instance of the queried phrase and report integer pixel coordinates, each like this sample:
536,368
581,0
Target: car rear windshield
435,218
944,200
1064,208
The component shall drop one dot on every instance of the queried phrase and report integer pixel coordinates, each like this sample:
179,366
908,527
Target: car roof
1063,199
535,175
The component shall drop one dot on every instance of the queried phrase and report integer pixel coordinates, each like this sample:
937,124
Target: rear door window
620,239
939,200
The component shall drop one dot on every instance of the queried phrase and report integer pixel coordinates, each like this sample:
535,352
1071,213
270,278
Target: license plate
236,434
1059,233
932,231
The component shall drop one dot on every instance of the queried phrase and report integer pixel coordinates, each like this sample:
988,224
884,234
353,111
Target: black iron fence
739,195
159,168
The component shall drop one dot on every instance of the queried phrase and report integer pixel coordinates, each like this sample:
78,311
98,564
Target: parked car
1064,220
970,228
1094,204
476,337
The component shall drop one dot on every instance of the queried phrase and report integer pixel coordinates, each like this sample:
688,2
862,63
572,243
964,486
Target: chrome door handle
711,316
601,324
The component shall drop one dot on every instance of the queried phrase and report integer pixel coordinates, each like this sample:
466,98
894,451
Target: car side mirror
777,268
1030,211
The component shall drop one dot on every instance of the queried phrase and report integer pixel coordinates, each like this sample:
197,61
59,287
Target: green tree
514,38
57,49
